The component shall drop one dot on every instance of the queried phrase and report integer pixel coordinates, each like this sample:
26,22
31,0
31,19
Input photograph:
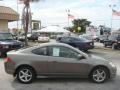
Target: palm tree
26,17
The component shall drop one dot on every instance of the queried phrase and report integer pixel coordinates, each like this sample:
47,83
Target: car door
40,60
64,61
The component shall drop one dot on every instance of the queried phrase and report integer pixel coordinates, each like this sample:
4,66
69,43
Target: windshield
6,36
82,39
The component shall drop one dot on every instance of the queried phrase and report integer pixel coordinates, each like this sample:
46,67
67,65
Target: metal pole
68,20
17,20
111,20
112,6
67,11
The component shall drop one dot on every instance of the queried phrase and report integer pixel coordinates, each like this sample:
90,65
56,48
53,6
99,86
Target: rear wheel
25,75
99,75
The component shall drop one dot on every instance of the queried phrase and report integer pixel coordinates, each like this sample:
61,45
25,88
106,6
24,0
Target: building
7,15
36,24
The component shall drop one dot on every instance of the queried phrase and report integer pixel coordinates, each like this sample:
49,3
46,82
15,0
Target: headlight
111,64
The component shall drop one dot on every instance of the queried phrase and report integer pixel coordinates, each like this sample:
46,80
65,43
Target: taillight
7,59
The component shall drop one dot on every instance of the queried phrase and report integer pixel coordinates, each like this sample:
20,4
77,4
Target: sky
53,12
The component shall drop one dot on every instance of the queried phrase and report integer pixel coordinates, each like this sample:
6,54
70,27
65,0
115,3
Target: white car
43,38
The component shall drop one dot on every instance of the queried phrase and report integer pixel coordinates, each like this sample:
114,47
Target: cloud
53,11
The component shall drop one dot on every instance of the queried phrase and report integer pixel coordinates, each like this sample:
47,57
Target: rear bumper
9,67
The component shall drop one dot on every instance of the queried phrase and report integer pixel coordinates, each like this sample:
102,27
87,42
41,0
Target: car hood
11,42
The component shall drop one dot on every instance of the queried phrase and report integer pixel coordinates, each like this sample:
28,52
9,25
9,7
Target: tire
99,75
105,45
113,46
26,75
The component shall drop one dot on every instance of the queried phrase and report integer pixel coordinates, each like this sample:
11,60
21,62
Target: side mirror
79,57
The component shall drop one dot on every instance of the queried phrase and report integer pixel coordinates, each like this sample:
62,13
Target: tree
26,17
81,24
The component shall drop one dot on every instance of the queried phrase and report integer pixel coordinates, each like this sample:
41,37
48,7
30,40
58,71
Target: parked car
21,37
33,36
57,60
78,42
103,38
15,36
113,41
7,43
43,38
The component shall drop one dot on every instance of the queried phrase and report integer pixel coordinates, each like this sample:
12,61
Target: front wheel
25,75
105,44
99,75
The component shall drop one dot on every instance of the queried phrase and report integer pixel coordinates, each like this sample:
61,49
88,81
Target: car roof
50,44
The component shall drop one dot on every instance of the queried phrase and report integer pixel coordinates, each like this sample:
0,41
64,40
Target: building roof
7,13
53,29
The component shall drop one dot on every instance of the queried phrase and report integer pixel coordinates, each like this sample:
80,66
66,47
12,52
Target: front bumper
113,72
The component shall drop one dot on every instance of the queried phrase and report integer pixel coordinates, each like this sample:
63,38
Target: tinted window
59,51
6,36
65,39
40,51
79,39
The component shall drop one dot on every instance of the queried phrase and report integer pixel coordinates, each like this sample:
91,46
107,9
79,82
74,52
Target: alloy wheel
25,75
99,75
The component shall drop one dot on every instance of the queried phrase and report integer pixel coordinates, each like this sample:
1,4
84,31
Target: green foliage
82,23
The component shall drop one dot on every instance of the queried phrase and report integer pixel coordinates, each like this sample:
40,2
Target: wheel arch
98,67
23,65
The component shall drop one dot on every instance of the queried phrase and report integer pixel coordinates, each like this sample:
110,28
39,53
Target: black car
33,36
78,42
8,43
113,41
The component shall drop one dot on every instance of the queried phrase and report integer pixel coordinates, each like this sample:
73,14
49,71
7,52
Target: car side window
40,51
60,51
65,39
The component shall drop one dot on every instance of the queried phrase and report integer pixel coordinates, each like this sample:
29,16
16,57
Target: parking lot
9,83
